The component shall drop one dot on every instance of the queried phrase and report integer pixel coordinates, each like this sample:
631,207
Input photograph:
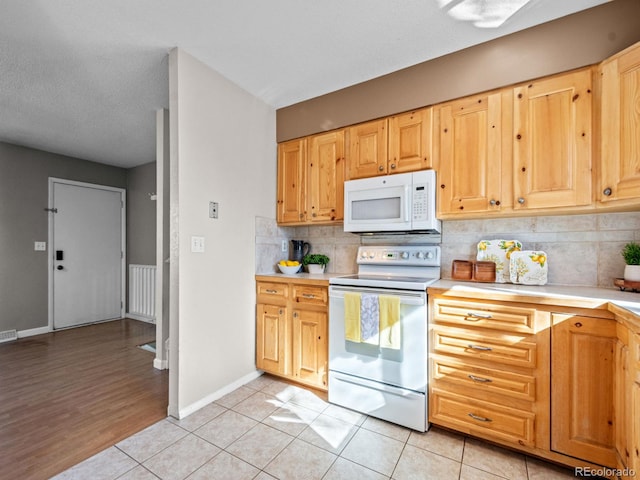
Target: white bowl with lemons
289,267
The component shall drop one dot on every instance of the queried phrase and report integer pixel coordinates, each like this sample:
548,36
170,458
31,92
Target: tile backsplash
582,249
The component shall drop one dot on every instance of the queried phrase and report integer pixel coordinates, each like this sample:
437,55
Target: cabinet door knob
380,168
393,165
606,191
521,201
492,202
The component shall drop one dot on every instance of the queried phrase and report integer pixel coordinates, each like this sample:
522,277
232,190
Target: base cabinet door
310,346
633,407
583,369
271,347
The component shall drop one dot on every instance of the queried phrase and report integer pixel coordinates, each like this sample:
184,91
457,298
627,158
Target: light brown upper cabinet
311,179
401,143
326,171
474,154
292,161
553,142
620,129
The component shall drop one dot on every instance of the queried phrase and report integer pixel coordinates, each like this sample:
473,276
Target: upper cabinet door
620,128
326,177
470,162
292,158
552,144
410,141
367,152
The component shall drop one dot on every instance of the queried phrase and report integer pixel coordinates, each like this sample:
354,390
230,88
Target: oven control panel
410,255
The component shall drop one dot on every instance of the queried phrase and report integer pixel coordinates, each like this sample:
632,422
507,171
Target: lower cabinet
489,370
292,331
558,382
583,367
631,452
310,332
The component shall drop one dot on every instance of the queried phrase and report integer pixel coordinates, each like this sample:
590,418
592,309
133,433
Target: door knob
60,267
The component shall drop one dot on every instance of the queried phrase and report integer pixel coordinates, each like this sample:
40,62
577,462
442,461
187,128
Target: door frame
123,241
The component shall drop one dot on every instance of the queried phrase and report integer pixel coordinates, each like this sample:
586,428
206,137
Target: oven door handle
405,299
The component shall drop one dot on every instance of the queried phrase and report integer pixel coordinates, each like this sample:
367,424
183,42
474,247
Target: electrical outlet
213,209
285,245
40,246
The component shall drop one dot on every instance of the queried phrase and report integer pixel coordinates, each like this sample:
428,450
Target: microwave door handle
407,203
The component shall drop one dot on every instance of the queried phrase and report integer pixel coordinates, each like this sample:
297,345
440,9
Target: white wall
224,150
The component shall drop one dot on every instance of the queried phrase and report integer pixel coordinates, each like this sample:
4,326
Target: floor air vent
8,335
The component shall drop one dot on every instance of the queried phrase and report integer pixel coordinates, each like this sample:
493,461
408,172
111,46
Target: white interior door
86,239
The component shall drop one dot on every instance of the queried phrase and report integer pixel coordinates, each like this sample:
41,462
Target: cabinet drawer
482,418
272,292
485,315
508,349
309,294
466,377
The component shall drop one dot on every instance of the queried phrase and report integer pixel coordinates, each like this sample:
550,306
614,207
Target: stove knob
429,255
372,255
404,255
364,254
420,255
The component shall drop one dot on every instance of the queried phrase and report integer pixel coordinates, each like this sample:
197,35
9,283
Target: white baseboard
142,318
218,394
33,331
160,364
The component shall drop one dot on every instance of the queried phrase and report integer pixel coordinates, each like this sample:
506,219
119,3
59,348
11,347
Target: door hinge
121,254
52,210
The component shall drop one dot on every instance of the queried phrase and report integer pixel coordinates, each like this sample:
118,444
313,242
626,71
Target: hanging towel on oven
369,318
352,316
389,321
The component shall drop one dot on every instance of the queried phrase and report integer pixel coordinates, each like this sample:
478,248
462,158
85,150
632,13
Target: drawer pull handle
479,418
476,316
308,295
479,347
480,379
271,291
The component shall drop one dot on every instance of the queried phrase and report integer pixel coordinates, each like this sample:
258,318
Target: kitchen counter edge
625,305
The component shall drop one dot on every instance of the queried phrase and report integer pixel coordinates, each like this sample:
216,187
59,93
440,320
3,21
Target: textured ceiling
84,77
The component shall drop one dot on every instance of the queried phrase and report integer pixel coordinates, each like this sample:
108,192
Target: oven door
404,367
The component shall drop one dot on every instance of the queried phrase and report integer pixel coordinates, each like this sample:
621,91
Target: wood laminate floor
67,395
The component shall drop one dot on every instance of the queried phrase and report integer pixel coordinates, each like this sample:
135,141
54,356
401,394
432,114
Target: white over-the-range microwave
400,203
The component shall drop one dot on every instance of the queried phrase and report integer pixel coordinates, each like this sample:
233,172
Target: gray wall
141,215
574,41
24,175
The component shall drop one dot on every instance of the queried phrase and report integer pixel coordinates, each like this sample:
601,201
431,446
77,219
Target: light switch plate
40,246
197,244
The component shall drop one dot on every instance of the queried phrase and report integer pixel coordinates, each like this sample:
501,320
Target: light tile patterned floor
268,429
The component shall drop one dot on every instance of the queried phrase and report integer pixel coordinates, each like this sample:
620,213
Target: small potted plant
315,262
631,255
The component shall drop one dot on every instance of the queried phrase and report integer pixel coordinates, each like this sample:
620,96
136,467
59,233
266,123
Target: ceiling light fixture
482,13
